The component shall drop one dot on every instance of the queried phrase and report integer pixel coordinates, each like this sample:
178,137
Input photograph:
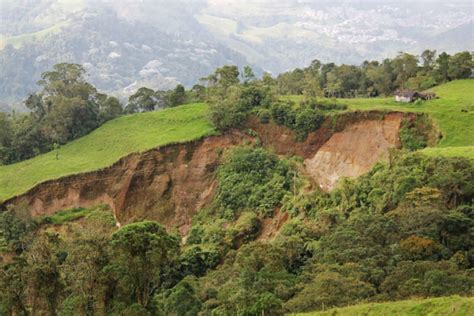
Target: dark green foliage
226,114
304,120
426,278
252,179
67,107
413,133
391,236
142,100
16,226
283,113
374,78
402,230
253,281
307,120
197,261
13,282
264,115
181,300
144,259
231,109
331,286
177,96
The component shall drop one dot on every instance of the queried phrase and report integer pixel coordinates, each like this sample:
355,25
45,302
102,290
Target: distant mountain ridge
127,44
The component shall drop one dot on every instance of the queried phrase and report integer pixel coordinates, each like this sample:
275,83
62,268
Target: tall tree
142,100
460,65
177,96
227,76
405,66
145,256
248,75
442,67
428,57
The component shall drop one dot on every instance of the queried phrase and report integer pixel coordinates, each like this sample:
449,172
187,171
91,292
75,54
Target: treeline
381,237
374,78
68,107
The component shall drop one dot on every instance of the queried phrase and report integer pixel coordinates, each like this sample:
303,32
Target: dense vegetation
380,237
402,230
232,96
374,78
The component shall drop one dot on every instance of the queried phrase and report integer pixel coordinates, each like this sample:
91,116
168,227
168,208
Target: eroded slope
171,183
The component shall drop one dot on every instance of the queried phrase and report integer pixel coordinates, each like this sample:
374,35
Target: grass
446,306
99,212
107,144
453,113
64,216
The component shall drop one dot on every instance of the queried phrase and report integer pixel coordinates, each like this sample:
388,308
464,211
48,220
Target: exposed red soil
171,183
271,226
354,151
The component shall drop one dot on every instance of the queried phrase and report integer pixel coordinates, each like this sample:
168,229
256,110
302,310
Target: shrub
283,113
197,260
252,179
225,115
306,121
413,134
264,115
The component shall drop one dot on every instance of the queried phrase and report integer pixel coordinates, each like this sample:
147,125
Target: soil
171,183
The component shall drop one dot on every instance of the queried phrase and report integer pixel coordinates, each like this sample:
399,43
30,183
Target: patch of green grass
453,114
107,144
64,216
446,306
98,213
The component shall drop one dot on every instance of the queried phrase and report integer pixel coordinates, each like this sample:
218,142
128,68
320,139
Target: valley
164,175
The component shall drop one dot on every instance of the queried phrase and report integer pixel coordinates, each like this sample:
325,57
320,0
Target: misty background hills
128,44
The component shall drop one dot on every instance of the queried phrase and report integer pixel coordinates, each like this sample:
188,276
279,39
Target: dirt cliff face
170,184
354,151
167,184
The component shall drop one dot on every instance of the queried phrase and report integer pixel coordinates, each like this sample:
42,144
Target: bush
307,120
303,120
197,261
264,115
225,115
232,111
252,179
181,300
413,134
328,289
283,113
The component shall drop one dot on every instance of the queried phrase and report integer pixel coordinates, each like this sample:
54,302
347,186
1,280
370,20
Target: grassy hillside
446,306
104,146
453,113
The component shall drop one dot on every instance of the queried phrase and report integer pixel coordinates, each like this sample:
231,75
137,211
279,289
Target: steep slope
107,144
354,150
171,183
452,115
